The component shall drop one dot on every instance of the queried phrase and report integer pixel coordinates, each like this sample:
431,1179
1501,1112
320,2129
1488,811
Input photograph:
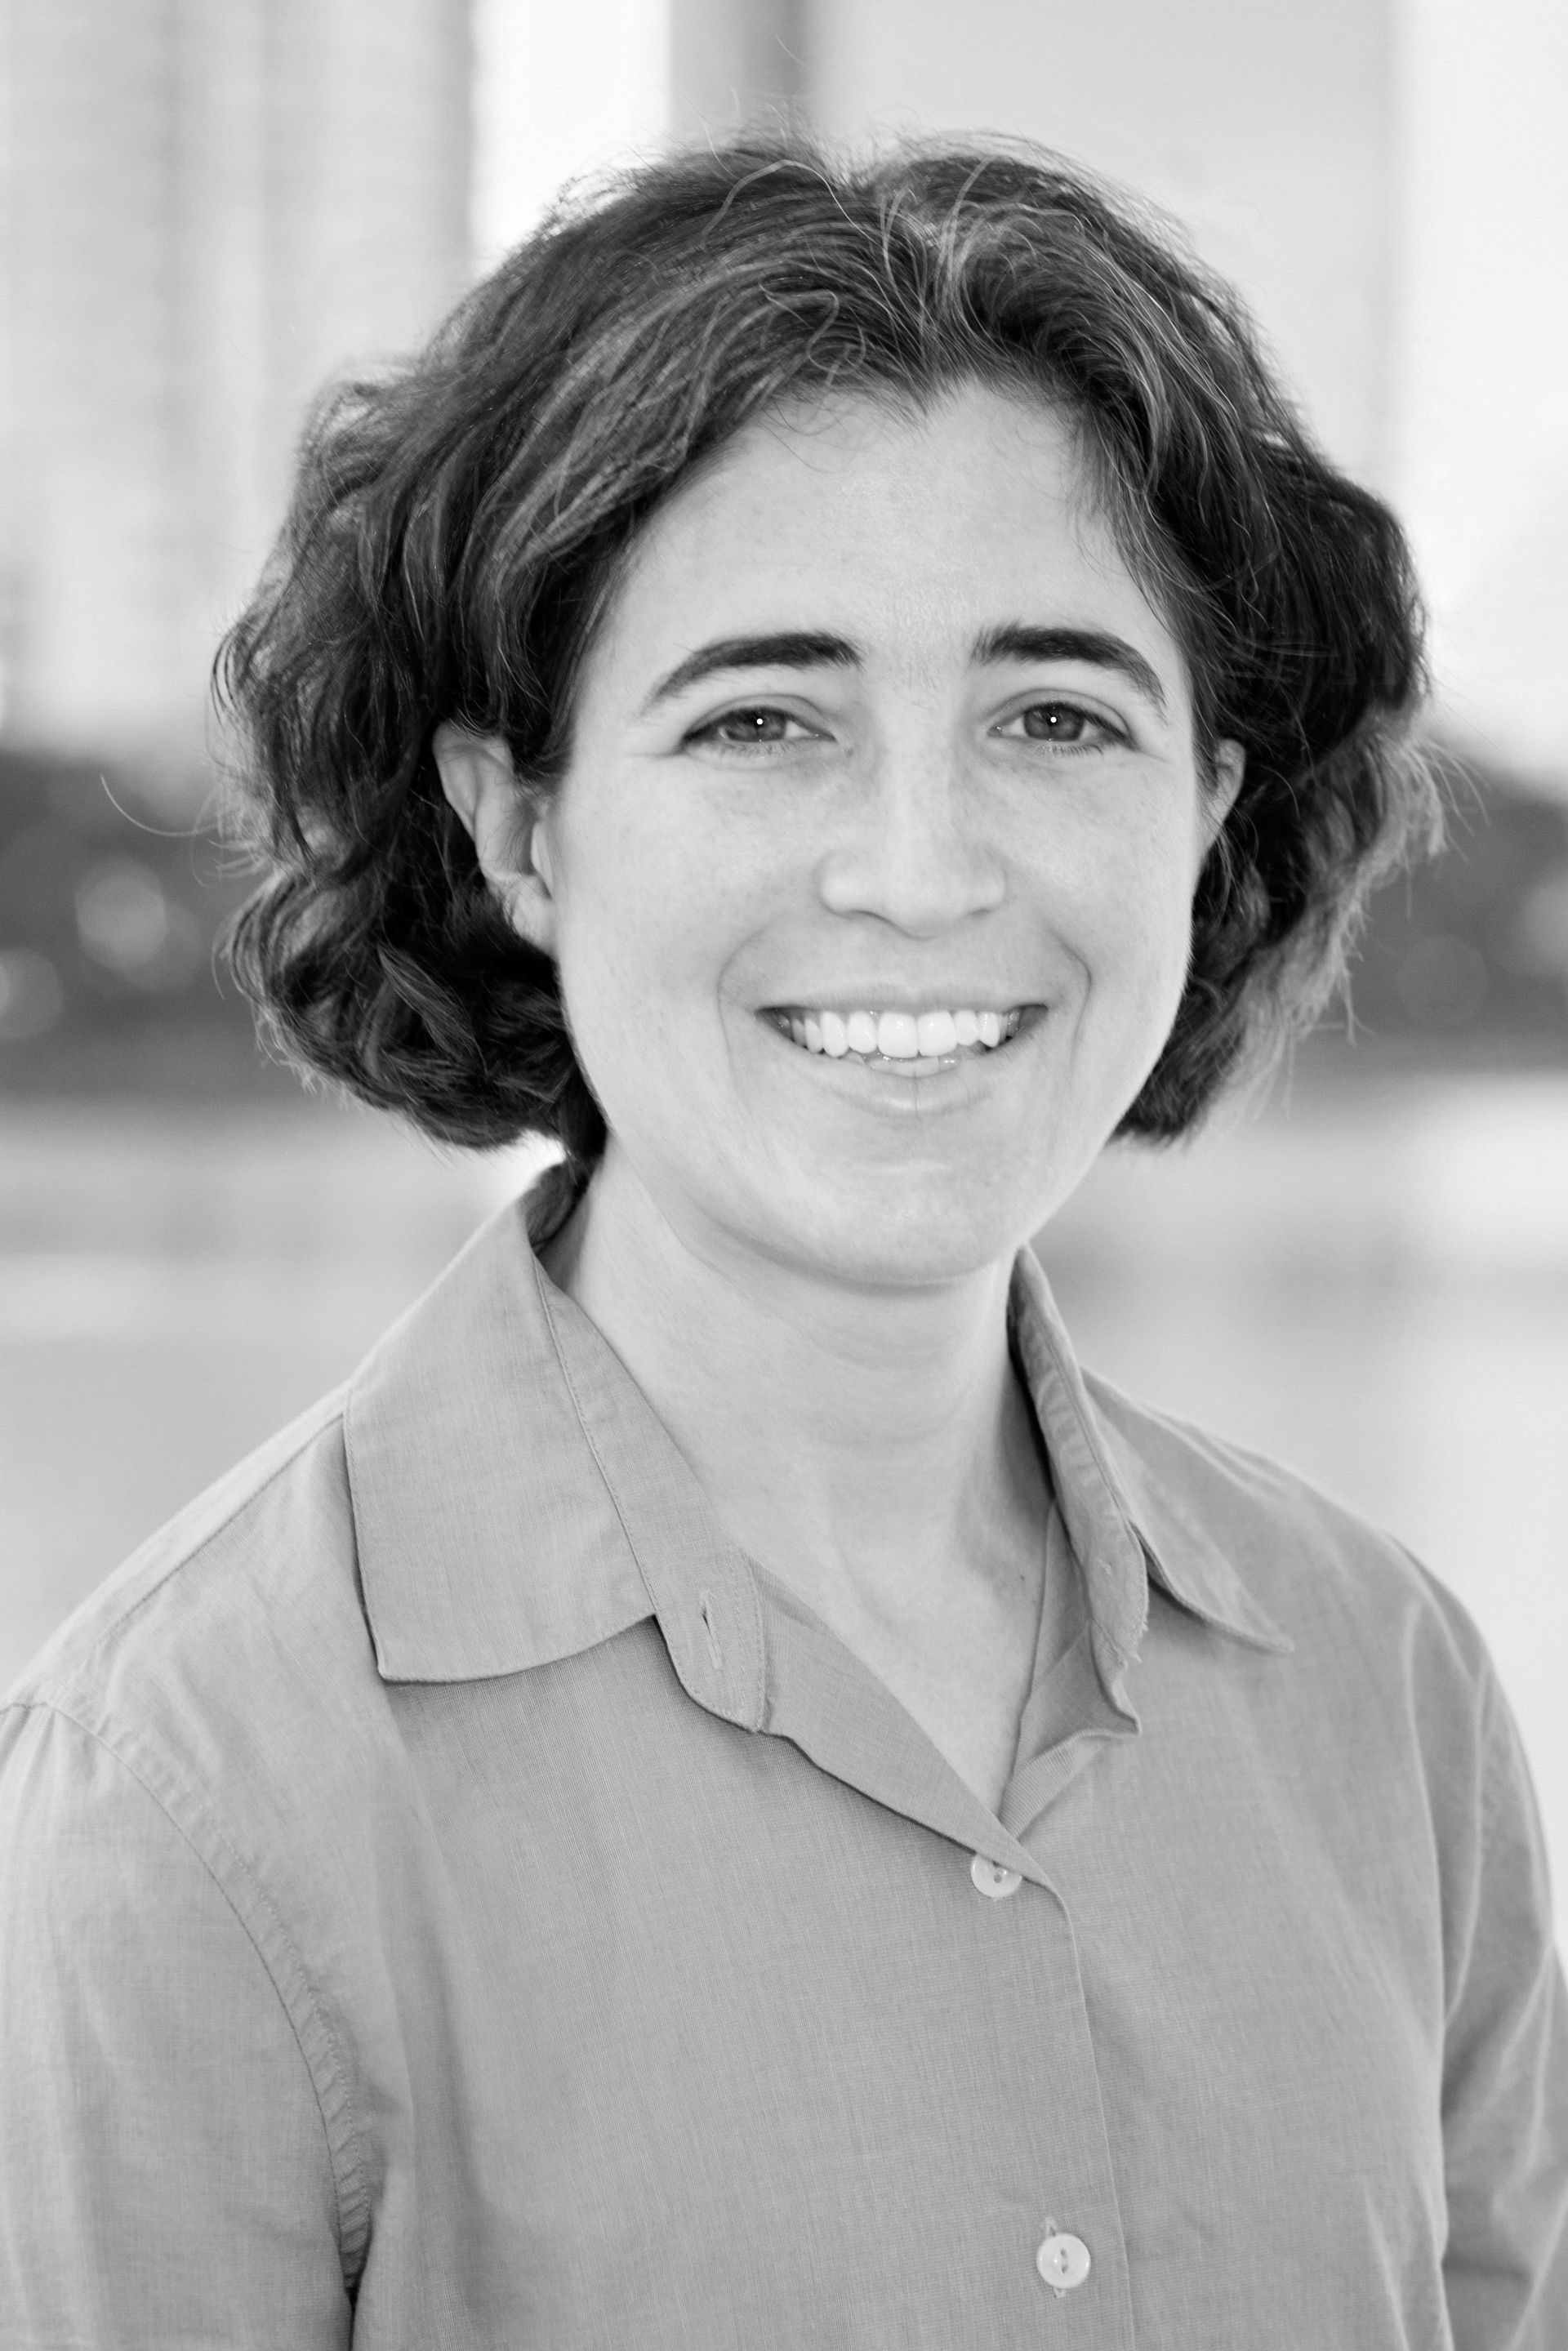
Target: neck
871,1446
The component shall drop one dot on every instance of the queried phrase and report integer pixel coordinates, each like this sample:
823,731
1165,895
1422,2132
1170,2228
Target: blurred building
209,204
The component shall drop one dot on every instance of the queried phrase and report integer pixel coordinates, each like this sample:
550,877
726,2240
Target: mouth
897,1045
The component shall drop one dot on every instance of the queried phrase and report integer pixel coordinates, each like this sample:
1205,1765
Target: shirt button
1062,2261
991,1878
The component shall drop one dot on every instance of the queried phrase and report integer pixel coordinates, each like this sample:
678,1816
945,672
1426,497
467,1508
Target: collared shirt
451,1895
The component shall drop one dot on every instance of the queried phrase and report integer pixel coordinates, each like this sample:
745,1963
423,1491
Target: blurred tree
107,920
1465,960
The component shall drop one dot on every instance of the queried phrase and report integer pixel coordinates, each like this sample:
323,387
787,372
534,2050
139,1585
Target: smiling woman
460,529
917,809
723,1790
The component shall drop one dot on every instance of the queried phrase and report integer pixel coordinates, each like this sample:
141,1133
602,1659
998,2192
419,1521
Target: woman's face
879,723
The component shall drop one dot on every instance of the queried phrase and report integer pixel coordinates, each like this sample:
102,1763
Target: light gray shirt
451,1895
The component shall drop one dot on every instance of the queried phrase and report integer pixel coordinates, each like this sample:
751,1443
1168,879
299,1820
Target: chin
899,1241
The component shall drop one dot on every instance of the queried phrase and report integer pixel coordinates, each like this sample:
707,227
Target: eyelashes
759,726
757,729
1071,726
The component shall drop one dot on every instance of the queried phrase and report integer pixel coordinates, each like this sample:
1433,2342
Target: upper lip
892,1000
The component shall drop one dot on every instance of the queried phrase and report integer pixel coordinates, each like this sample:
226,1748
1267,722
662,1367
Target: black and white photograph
783,1176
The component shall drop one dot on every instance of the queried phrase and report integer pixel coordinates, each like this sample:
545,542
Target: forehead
906,526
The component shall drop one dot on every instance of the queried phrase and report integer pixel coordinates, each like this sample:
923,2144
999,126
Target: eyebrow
1088,645
790,649
812,649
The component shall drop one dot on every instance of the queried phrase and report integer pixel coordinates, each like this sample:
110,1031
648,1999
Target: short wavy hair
459,523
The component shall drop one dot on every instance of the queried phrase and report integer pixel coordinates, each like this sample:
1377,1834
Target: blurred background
208,206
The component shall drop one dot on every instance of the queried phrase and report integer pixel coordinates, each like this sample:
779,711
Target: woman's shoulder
1319,1567
279,1514
176,1768
230,1649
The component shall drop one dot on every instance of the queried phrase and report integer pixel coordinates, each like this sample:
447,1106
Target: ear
501,819
1230,768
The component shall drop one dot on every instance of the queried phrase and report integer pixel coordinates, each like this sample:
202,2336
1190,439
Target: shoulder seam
343,2144
337,1397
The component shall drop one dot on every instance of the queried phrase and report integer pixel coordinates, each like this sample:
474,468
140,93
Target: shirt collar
1124,1484
516,1500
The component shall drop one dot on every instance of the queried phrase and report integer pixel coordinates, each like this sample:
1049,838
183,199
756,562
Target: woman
721,1791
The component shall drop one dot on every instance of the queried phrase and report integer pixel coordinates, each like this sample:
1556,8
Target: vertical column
734,61
1481,332
225,499
10,379
560,93
367,158
93,446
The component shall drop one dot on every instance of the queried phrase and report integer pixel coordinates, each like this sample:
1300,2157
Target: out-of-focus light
122,916
127,922
1443,981
31,996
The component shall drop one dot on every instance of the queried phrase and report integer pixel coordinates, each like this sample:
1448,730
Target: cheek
1126,910
645,924
599,948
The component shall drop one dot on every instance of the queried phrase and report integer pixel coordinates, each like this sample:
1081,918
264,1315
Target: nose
909,845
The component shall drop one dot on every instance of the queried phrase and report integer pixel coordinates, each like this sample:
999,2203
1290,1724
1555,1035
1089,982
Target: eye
1066,722
756,727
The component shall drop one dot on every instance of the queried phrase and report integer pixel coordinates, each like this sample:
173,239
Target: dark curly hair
458,528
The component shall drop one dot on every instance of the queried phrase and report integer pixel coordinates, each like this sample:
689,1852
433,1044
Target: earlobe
498,815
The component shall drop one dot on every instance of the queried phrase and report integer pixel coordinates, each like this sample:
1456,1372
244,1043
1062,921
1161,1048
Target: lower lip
886,1079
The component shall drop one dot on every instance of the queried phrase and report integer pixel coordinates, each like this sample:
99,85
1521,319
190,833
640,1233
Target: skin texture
805,1266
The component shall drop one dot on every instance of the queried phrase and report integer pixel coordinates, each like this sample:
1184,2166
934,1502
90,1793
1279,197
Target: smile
900,1044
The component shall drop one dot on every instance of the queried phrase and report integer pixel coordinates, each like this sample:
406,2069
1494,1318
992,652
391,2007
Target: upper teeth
900,1036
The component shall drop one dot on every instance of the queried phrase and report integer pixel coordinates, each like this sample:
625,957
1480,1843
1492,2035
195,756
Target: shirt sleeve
1505,2103
164,2174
